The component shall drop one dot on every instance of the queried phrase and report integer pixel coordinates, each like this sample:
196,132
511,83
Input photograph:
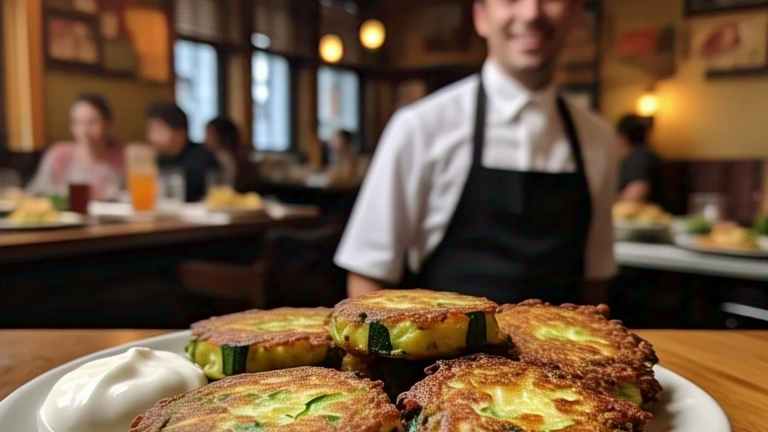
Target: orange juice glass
143,189
142,177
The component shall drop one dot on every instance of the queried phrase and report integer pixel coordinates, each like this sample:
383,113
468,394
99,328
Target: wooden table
21,246
126,274
731,366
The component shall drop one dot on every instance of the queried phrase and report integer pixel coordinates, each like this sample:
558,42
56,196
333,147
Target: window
197,84
271,102
338,101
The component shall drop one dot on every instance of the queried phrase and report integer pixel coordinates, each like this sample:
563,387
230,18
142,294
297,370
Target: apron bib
514,234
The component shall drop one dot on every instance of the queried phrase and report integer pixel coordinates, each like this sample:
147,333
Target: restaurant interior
383,215
301,91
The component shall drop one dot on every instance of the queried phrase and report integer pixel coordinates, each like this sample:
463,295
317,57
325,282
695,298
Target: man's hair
346,135
228,134
98,102
168,113
635,128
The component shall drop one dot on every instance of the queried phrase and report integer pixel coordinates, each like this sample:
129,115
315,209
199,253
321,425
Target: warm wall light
648,104
331,48
373,34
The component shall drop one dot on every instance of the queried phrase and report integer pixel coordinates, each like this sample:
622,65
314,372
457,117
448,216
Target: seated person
342,167
94,155
167,128
222,139
639,176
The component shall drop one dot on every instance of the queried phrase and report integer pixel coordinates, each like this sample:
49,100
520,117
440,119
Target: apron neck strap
569,127
478,137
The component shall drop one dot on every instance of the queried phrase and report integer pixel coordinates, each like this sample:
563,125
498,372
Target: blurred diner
168,134
94,156
640,169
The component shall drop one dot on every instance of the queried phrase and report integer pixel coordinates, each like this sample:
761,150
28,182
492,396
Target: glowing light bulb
648,105
373,34
331,48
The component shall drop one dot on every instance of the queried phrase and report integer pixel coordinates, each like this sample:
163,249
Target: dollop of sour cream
106,394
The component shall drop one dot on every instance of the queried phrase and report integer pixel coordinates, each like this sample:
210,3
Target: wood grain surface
732,366
18,246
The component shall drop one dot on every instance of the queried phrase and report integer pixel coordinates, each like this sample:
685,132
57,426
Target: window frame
360,132
221,68
293,147
3,131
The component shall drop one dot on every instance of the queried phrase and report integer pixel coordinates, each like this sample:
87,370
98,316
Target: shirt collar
507,97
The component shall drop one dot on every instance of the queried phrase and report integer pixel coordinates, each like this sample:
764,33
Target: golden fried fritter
305,399
414,324
583,342
260,340
483,393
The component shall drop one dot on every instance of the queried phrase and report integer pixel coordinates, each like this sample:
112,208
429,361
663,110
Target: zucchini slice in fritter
414,324
260,340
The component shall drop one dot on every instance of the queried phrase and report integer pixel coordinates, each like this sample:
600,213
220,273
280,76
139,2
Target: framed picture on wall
72,39
731,43
695,7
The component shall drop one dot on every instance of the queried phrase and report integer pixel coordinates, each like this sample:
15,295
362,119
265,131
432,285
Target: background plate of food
640,221
39,213
224,199
726,238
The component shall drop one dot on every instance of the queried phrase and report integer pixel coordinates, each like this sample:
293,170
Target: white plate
689,242
683,407
238,212
66,220
631,231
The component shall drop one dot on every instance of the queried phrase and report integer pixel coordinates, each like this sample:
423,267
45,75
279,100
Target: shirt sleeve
639,166
600,259
384,222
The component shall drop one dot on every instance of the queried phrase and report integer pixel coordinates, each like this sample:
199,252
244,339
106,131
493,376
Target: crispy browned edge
633,361
379,410
208,330
615,414
353,310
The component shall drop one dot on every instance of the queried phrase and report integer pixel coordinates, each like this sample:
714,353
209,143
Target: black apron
515,234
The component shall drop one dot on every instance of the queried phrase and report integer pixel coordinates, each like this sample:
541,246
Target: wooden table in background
732,366
126,274
21,246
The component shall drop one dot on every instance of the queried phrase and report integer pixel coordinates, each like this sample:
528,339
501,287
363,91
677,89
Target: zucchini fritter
495,394
414,324
583,342
260,340
305,399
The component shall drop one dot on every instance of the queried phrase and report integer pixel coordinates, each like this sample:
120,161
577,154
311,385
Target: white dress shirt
423,159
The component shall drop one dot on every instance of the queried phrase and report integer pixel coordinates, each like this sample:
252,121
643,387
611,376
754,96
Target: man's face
525,35
164,139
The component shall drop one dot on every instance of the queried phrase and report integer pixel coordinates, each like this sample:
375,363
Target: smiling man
495,185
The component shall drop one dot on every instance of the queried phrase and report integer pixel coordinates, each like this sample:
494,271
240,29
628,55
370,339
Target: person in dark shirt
167,127
639,176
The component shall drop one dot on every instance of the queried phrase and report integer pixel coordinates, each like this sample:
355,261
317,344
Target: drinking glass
142,177
707,204
172,189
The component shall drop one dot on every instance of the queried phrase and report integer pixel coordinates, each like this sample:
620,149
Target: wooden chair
297,270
